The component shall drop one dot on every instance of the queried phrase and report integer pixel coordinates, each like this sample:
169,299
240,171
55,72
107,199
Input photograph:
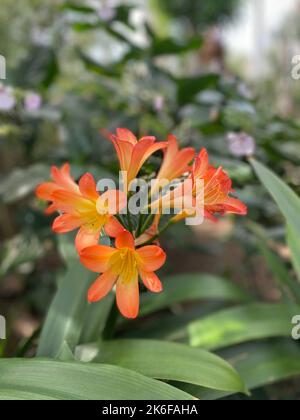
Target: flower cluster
135,252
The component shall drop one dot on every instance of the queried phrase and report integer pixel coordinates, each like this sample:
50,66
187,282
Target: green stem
151,240
146,223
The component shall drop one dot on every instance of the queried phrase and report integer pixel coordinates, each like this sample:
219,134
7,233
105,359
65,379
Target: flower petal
101,287
66,223
128,299
86,238
111,202
96,258
50,209
233,205
87,186
124,151
70,202
201,164
126,135
151,281
113,227
63,178
44,191
141,152
152,258
125,240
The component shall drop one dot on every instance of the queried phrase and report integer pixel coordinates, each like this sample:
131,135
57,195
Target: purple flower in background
7,99
158,103
241,144
106,11
33,101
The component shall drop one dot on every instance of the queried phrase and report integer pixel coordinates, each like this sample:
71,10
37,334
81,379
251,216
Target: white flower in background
7,99
33,101
241,144
158,103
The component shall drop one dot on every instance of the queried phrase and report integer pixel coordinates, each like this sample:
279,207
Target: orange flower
81,206
176,163
211,193
122,266
133,153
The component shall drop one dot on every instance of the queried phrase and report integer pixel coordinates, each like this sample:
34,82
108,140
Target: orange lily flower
175,164
81,207
217,187
122,266
133,153
216,199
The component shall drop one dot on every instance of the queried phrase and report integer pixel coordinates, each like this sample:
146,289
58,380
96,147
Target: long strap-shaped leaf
288,203
259,364
243,323
47,379
190,287
66,315
170,361
286,199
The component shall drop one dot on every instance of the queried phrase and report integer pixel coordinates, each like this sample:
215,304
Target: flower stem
151,240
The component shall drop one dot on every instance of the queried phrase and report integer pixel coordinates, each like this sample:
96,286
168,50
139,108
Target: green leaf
287,201
259,364
77,8
240,324
191,287
65,318
170,361
65,354
46,379
286,283
188,88
172,46
96,319
293,240
288,286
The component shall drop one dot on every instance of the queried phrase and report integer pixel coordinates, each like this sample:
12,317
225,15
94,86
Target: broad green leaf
47,379
95,319
259,364
65,354
243,323
293,240
170,361
191,287
287,201
65,318
169,326
289,287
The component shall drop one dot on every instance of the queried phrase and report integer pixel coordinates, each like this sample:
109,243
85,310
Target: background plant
93,72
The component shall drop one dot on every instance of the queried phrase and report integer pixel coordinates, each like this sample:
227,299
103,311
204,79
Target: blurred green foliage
98,70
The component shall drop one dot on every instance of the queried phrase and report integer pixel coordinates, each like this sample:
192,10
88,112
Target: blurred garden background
201,69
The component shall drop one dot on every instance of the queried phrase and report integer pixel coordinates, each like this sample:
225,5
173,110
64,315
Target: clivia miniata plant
186,186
